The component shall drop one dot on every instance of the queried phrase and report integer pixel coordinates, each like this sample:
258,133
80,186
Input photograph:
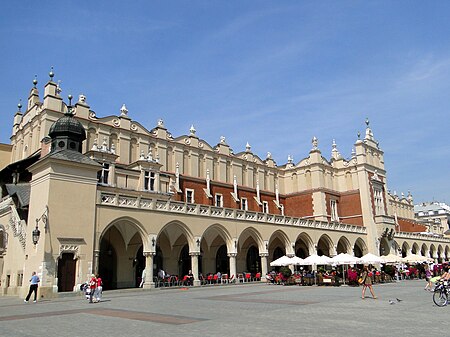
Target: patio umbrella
314,260
414,258
370,259
391,259
344,259
296,261
282,261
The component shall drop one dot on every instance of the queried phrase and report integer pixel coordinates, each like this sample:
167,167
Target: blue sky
271,73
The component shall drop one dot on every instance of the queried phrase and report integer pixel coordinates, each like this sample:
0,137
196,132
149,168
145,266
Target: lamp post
36,233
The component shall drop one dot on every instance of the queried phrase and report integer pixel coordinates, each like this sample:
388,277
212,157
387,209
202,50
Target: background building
83,193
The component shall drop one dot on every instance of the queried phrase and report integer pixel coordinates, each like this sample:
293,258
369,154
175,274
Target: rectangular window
8,281
189,196
218,200
149,181
378,199
103,175
265,207
244,204
19,280
334,210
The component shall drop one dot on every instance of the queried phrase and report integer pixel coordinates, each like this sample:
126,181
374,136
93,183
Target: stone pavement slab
235,310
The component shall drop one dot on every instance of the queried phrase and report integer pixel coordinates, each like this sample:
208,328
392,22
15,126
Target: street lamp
36,233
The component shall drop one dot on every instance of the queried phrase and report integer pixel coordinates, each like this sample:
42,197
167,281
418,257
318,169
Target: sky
270,73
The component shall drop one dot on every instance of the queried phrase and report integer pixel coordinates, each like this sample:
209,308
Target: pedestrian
428,278
367,282
99,289
142,278
92,287
34,281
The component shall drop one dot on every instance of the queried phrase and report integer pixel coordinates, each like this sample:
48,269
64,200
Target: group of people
93,288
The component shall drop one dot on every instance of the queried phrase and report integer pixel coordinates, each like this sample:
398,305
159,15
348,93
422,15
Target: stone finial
353,152
290,159
334,152
192,131
113,149
248,147
35,81
123,111
409,197
58,88
160,123
369,133
142,156
95,145
81,99
19,105
315,143
150,155
222,140
51,74
269,155
104,145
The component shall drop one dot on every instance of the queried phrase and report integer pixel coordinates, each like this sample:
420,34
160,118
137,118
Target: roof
22,191
72,156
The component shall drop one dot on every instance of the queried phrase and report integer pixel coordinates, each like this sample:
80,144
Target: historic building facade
83,194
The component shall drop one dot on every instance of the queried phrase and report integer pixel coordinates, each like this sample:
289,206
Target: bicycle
440,295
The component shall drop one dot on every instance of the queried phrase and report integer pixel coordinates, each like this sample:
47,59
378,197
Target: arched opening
253,260
184,262
139,263
359,248
324,245
302,246
343,246
222,260
277,253
384,247
66,272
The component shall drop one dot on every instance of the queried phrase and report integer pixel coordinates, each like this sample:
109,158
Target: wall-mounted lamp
235,243
153,242
36,234
198,242
267,245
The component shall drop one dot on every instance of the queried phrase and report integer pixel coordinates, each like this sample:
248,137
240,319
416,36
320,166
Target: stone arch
325,245
308,179
304,245
360,248
3,238
447,253
440,253
415,248
133,150
216,244
395,247
343,246
250,243
277,239
423,250
432,251
385,247
295,186
405,249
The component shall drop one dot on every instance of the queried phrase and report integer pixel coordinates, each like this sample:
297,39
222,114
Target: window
218,200
244,204
189,196
378,199
103,175
19,279
334,210
265,207
149,181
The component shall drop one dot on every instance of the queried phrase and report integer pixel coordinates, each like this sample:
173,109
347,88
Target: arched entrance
184,262
253,260
222,260
121,259
66,272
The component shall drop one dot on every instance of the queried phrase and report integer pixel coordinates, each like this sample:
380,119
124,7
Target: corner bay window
149,181
103,175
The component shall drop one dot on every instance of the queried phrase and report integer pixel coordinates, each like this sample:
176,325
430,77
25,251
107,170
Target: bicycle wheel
440,298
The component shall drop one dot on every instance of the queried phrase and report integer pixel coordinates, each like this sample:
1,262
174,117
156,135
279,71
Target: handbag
360,280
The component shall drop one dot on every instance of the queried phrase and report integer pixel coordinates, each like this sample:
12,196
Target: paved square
235,310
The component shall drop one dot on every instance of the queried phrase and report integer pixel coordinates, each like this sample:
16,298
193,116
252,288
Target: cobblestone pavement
233,310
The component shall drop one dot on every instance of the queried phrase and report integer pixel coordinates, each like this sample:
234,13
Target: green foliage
285,271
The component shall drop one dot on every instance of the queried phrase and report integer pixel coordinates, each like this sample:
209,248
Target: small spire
269,155
315,143
19,105
35,81
222,140
51,74
290,159
58,87
247,147
192,130
160,123
359,135
123,110
367,121
70,99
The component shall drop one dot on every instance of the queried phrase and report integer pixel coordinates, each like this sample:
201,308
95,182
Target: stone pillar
264,270
232,257
194,265
96,261
149,270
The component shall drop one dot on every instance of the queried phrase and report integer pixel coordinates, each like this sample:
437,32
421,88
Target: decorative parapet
129,201
419,236
18,227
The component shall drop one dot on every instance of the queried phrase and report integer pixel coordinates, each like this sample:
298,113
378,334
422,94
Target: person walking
92,287
99,289
428,278
367,282
142,279
34,281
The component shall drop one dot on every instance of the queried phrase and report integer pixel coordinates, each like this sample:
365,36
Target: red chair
209,278
257,277
215,278
248,277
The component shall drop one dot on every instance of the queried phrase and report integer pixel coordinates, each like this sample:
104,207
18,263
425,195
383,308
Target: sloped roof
72,156
22,191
